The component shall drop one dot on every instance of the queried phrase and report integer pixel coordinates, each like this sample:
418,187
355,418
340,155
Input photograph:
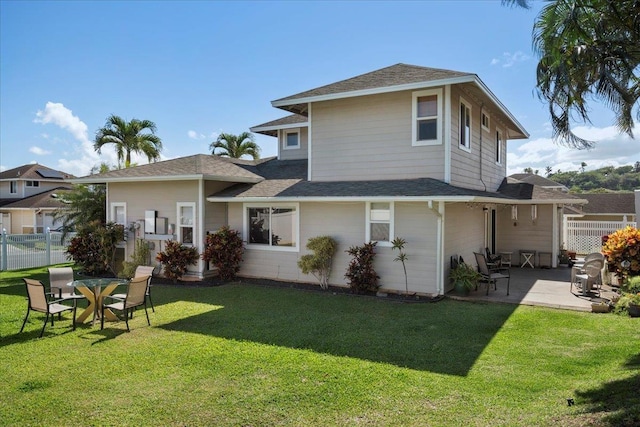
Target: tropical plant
319,263
140,256
360,272
176,259
464,277
398,243
81,205
128,137
235,146
224,248
622,250
94,247
588,51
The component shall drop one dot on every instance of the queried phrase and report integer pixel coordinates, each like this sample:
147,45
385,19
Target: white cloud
39,151
611,149
195,135
509,59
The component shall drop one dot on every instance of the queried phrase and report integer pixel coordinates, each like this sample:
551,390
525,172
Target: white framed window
486,121
499,147
272,226
13,187
32,183
426,114
186,227
464,123
290,139
379,222
118,213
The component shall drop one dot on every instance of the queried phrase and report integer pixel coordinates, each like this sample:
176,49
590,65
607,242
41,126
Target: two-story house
28,197
404,151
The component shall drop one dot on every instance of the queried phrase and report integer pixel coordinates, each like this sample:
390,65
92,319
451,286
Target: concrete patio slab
539,287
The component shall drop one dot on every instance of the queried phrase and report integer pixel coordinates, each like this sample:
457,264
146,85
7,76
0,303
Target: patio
538,286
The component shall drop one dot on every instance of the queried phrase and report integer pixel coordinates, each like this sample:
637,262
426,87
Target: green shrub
176,259
224,249
94,247
319,263
360,272
140,256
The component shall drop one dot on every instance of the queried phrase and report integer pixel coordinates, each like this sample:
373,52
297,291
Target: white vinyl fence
18,251
586,236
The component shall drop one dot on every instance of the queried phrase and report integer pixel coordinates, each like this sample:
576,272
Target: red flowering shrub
224,249
176,259
624,245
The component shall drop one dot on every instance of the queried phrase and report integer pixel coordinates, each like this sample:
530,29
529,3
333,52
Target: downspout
480,121
439,212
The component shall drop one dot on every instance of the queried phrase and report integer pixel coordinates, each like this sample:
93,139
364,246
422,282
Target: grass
246,355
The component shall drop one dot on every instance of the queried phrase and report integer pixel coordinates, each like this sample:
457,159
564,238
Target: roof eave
452,199
223,178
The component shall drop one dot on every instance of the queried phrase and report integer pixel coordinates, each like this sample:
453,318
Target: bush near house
360,272
319,263
224,249
623,245
176,258
94,247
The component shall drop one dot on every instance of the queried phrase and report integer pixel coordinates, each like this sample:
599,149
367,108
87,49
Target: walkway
541,287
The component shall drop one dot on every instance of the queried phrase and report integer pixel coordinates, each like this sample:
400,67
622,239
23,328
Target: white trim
414,117
296,226
368,223
499,146
284,133
193,225
467,104
309,139
201,238
112,212
447,134
279,127
470,78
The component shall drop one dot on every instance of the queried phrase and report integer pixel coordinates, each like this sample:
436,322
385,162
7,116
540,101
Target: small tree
176,259
398,243
319,263
94,247
360,272
140,256
224,248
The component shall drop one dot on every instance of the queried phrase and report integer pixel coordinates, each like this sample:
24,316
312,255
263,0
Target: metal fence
586,236
18,251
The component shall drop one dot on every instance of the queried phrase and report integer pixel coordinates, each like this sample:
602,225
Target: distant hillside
624,178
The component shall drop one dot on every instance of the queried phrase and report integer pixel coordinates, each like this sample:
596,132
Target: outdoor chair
135,297
492,259
491,276
578,267
591,277
58,279
142,270
38,302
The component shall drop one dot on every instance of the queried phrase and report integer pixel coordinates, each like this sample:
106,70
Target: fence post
48,244
3,238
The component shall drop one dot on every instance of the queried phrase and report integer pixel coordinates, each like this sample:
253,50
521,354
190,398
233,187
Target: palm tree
236,146
588,51
128,138
548,171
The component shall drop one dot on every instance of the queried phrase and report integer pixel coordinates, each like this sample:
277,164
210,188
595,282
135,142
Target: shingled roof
271,128
204,166
535,179
34,171
609,203
46,199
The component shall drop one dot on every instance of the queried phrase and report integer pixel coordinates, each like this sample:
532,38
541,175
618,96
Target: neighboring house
406,151
541,181
28,197
604,207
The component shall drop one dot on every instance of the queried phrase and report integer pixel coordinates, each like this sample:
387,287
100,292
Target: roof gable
35,171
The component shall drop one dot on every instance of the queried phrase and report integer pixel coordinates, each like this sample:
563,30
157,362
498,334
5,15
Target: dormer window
427,117
32,183
291,139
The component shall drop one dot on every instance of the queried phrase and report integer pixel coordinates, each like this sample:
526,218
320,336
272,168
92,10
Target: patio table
528,257
95,290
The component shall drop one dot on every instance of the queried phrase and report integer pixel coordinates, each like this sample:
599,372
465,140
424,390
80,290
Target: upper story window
499,145
119,213
427,117
291,139
32,183
485,121
272,226
380,223
13,187
186,222
465,125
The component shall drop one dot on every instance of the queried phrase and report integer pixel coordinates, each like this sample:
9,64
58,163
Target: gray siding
369,137
294,153
464,231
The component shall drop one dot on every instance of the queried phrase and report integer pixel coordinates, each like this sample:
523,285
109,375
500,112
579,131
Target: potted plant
634,305
464,278
563,258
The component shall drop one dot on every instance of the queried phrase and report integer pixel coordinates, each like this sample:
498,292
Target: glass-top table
95,289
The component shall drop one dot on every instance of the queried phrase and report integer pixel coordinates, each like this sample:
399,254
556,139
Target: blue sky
198,68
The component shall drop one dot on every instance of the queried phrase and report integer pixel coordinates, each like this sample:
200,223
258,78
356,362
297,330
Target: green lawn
245,355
